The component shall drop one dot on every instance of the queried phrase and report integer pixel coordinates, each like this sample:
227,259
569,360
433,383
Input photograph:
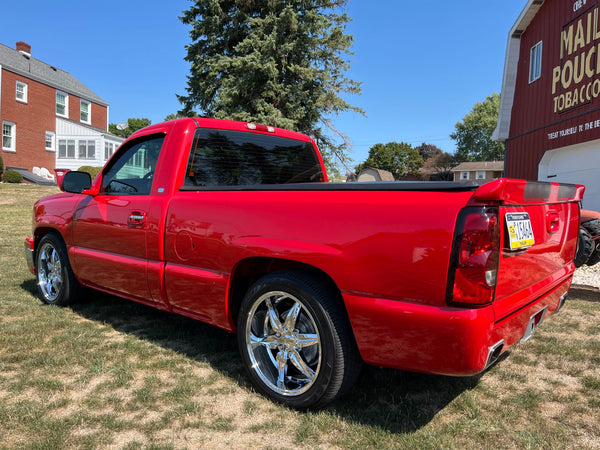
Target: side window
535,62
235,158
132,172
62,104
21,92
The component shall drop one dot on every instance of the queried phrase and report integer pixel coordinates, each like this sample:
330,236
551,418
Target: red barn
550,105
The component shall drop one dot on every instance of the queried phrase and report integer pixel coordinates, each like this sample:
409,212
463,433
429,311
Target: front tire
295,340
55,279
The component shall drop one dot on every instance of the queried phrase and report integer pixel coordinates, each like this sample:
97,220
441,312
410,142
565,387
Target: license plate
519,231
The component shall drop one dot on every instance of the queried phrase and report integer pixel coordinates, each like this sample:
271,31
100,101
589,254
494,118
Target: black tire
585,247
56,282
594,259
295,340
593,227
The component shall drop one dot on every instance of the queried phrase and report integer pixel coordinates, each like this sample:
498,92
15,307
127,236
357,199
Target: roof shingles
479,165
29,67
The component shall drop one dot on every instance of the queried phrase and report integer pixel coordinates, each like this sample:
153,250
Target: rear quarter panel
372,244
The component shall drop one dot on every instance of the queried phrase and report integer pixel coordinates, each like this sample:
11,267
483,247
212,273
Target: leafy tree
133,124
473,135
398,158
428,151
442,165
275,62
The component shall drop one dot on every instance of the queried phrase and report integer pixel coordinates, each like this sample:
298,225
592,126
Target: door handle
137,218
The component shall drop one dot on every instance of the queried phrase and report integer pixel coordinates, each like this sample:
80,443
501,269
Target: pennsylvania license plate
519,230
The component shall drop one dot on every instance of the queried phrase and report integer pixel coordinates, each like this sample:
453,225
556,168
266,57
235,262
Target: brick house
49,119
481,172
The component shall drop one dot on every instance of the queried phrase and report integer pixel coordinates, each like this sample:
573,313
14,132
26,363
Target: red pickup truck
235,225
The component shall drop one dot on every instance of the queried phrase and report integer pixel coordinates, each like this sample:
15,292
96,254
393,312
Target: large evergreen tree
275,62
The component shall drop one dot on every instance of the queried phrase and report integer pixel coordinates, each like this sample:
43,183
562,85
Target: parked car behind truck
235,225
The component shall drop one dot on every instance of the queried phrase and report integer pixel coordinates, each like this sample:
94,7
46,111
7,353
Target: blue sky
422,64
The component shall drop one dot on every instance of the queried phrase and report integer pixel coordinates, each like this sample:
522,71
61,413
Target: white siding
577,164
70,131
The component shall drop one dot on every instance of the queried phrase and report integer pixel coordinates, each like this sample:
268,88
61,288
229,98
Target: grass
114,374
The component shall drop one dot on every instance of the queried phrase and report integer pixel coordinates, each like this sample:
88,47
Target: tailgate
538,239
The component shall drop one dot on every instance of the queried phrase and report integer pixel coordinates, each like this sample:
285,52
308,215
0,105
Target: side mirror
60,173
76,182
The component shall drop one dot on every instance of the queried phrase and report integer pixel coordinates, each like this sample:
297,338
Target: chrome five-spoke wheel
283,344
56,282
295,339
49,272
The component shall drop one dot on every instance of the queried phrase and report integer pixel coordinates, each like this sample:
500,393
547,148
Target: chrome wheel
283,343
50,272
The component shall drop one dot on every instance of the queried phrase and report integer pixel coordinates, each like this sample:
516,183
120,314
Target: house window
535,62
85,108
9,134
109,149
480,175
66,148
62,104
464,175
50,141
21,94
87,149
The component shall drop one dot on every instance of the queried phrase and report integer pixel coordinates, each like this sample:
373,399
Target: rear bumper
441,340
30,253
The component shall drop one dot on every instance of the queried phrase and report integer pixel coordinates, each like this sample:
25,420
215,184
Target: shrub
93,171
1,167
12,176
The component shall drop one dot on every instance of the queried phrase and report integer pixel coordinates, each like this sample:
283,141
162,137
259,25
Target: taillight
258,127
475,257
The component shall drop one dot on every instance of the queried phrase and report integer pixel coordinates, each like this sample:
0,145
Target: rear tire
594,259
593,227
295,340
55,279
585,247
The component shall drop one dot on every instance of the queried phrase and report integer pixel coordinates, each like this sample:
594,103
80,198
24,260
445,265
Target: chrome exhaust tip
561,303
494,353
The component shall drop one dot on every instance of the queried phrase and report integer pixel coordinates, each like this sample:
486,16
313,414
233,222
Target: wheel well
41,232
249,270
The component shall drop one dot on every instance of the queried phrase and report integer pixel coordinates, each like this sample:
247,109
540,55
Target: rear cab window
238,158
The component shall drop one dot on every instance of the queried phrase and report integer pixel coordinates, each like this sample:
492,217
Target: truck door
110,229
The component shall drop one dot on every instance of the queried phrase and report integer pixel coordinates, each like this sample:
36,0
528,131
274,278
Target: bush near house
93,171
12,176
1,167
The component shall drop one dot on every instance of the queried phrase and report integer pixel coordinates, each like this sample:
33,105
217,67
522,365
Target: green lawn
114,374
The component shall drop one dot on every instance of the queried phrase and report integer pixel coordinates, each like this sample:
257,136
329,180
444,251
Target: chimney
24,48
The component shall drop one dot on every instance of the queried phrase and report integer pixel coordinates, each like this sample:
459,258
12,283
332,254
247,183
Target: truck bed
416,186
